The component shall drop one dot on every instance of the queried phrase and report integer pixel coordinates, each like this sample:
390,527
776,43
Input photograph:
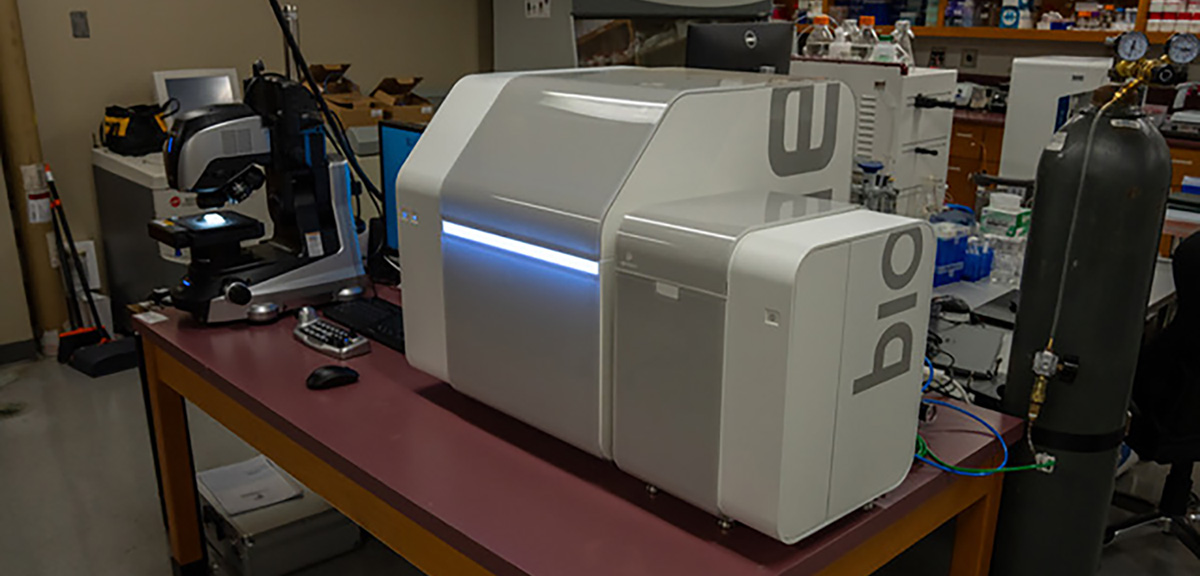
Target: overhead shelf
981,32
992,33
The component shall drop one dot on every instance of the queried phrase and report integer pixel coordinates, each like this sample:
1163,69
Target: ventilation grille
864,140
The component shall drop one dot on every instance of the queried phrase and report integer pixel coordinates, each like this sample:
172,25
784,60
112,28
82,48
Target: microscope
224,153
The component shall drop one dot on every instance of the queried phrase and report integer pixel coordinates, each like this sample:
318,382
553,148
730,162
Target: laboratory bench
458,488
1159,309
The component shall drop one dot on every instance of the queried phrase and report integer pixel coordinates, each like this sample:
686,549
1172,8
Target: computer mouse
327,377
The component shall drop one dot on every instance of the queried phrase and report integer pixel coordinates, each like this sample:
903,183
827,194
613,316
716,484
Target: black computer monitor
746,47
396,142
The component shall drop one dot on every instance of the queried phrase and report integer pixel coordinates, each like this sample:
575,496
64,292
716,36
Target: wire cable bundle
926,455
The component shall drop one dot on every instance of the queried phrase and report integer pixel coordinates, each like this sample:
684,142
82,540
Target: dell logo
751,39
899,331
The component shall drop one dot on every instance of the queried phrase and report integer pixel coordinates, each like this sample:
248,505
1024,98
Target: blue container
952,240
977,264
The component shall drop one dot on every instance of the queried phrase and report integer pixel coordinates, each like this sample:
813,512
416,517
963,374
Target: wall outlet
937,57
537,8
79,24
970,58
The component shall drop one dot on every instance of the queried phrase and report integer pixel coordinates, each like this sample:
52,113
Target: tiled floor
78,495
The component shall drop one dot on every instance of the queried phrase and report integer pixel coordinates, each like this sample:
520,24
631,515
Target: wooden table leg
975,532
178,478
403,535
976,504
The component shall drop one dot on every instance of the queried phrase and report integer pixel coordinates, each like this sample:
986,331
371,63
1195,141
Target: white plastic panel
813,365
890,285
418,191
752,408
779,437
1034,105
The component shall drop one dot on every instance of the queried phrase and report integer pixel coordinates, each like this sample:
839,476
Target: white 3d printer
658,267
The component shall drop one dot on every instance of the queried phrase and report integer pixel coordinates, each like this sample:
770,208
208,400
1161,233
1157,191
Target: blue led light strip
522,248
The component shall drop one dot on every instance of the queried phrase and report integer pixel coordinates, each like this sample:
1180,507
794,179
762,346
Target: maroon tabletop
514,499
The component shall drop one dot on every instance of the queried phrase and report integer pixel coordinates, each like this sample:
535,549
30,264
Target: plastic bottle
820,38
930,14
1175,17
903,36
953,13
867,39
979,258
885,51
968,13
1155,22
842,45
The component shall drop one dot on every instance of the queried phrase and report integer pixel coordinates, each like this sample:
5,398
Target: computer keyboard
376,319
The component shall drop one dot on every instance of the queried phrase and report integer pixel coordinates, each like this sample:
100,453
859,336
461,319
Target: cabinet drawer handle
954,168
964,135
1179,161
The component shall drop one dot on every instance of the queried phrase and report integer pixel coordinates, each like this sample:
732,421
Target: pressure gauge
1183,48
1132,46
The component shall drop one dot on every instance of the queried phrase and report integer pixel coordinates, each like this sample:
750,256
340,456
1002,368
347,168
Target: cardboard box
1006,222
392,99
344,97
332,79
403,104
356,109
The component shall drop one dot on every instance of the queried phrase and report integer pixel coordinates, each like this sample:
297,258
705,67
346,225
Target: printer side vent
864,140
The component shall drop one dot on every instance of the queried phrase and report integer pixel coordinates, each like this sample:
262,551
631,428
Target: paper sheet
248,485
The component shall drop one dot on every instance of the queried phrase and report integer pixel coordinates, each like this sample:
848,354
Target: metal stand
1171,516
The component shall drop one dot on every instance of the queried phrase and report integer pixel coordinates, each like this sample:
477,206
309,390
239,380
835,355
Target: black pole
73,312
339,136
57,210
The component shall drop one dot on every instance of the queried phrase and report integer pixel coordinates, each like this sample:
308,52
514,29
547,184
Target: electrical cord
929,380
395,265
926,455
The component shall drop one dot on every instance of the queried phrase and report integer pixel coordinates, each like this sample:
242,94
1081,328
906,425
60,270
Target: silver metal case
278,539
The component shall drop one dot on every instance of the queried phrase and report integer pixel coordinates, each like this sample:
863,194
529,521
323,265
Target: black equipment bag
136,130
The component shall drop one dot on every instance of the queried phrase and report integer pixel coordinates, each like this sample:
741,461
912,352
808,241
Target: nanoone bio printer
659,267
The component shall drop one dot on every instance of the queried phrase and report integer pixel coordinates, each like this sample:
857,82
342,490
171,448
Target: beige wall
74,79
14,313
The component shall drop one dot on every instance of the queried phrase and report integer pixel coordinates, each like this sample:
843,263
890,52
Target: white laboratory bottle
867,38
903,36
820,38
843,39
